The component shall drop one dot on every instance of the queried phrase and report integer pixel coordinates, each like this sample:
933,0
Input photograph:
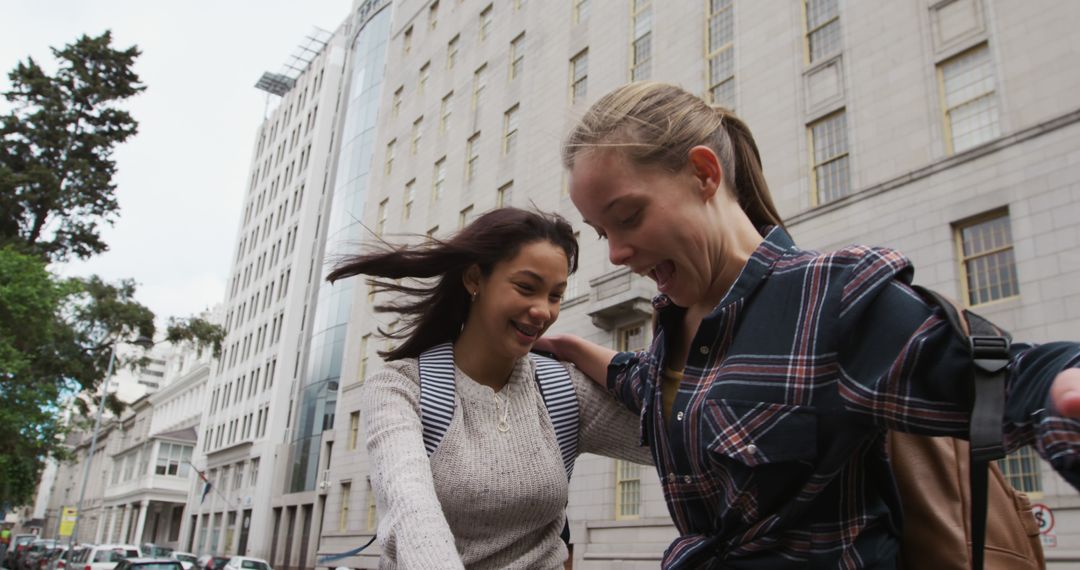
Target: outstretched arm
412,524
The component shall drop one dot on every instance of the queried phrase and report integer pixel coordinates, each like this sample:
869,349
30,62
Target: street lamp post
145,343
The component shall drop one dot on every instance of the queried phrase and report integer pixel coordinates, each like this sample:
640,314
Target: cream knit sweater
485,499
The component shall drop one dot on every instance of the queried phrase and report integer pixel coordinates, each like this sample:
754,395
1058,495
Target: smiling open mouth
527,330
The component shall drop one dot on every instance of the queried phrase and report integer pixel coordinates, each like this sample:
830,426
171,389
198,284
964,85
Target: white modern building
947,129
251,444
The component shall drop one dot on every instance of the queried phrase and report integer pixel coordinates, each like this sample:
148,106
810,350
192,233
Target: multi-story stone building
138,479
945,129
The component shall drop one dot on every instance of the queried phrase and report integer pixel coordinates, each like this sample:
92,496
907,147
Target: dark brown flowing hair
435,312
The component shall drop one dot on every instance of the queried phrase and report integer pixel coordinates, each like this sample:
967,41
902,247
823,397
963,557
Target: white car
107,556
186,559
247,563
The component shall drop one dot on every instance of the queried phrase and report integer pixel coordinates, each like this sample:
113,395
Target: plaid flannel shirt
774,453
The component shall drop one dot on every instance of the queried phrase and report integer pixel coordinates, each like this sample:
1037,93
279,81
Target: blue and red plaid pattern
774,455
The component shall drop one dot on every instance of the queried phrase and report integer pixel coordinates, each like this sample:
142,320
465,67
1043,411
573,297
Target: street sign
67,521
1044,516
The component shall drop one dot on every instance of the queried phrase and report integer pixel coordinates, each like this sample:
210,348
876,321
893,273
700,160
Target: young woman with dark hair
493,493
775,372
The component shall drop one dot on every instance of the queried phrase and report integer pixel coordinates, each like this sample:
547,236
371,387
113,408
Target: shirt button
703,349
751,449
686,479
679,416
671,477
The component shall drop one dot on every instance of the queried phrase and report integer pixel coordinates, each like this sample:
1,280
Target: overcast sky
180,181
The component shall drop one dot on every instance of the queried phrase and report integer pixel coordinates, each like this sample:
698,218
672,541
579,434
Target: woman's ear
705,168
471,279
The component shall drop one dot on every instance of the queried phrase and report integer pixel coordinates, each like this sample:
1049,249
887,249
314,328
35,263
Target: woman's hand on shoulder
555,344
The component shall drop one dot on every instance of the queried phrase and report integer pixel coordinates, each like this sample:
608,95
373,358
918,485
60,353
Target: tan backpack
959,511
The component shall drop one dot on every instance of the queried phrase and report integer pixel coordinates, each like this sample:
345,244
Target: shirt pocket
757,434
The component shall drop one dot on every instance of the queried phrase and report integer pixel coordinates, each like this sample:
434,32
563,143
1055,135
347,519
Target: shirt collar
776,243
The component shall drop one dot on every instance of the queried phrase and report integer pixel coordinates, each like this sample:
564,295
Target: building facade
943,128
138,479
260,438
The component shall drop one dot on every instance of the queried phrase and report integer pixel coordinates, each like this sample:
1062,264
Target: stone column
140,526
126,525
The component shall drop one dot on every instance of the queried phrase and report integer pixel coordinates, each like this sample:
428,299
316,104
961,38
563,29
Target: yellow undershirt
669,387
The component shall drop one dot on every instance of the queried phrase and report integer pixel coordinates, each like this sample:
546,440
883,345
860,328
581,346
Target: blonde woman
775,372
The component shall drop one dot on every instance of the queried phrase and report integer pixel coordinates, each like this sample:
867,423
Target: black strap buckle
990,353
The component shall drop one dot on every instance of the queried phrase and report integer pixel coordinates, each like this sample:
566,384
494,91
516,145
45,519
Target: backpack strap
436,393
561,401
990,356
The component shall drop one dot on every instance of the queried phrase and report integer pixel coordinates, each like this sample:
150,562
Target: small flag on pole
206,486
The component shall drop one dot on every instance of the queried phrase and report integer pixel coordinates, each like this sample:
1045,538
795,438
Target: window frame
963,259
815,188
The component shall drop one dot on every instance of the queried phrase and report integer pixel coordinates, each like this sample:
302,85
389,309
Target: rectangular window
822,29
417,134
438,180
238,475
581,11
571,291
1022,470
444,112
425,73
389,167
433,15
505,196
354,429
410,194
632,338
517,56
380,223
364,340
343,513
406,41
641,46
479,84
485,21
472,154
452,51
465,216
987,263
829,175
719,42
253,478
968,99
627,490
510,129
372,515
579,76
396,105
432,232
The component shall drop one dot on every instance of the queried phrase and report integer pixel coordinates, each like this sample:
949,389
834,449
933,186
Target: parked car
49,556
106,556
151,550
19,544
186,559
60,561
211,562
247,563
149,564
38,548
